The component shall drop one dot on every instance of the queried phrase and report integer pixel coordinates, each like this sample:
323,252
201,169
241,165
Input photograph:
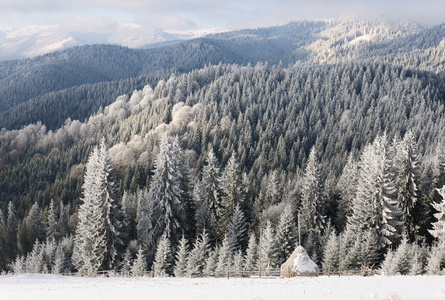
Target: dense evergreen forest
340,123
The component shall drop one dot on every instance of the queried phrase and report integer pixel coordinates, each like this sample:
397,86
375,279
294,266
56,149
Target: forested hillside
348,135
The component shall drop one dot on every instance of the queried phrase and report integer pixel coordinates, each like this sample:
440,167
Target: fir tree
52,224
198,256
164,211
211,262
232,191
268,249
286,235
408,181
139,266
312,216
126,263
237,231
251,259
11,233
97,235
224,257
331,253
181,258
347,187
438,230
162,265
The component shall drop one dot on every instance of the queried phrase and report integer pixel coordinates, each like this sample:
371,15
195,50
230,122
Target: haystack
299,264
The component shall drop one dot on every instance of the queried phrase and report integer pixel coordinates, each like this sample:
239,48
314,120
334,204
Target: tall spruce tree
232,192
286,235
312,216
268,249
163,264
164,212
438,230
210,189
237,231
408,182
97,235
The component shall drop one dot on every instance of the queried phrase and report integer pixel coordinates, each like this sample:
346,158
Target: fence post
228,275
329,271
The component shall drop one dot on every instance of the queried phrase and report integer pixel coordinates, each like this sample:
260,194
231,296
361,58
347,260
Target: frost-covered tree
162,265
312,217
438,230
331,253
408,181
211,261
225,256
238,262
286,235
210,193
11,233
403,257
251,259
347,187
126,263
180,164
237,231
52,224
180,268
198,256
232,192
97,235
63,221
164,212
268,249
139,266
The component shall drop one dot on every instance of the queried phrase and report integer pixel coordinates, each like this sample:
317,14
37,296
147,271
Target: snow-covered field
377,287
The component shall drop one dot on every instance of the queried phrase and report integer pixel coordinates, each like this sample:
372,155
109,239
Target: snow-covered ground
377,287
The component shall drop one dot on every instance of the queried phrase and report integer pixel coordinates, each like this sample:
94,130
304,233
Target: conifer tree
139,264
408,181
331,253
268,248
210,189
347,187
97,237
232,192
251,259
312,216
403,257
52,224
11,233
126,263
237,231
224,257
162,265
164,211
63,221
286,235
180,269
3,241
198,256
211,262
438,230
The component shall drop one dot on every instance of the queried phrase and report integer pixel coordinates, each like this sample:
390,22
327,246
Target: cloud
200,14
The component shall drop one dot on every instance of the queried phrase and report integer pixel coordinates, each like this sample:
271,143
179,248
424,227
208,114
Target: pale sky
104,16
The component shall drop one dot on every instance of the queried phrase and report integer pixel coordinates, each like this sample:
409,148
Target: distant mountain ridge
32,41
405,44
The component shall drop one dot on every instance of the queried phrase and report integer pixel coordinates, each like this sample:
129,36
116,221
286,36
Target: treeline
178,228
